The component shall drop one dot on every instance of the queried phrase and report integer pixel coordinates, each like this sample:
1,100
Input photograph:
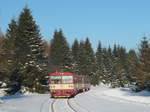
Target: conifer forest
26,59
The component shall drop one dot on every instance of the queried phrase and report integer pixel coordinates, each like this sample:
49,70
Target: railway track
52,105
71,107
78,106
52,109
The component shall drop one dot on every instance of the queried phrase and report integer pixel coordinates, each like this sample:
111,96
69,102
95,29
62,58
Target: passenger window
55,79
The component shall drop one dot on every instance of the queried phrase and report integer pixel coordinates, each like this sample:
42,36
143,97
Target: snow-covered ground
98,99
2,93
124,94
25,103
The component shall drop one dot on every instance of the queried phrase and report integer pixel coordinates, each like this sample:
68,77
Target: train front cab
61,85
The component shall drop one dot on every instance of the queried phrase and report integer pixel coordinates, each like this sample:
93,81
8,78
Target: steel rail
52,105
69,104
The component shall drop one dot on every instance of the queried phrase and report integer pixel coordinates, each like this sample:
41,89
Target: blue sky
122,22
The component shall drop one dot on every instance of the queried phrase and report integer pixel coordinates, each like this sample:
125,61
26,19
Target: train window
67,79
55,79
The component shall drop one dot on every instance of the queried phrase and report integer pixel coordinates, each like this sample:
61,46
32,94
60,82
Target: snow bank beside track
25,103
142,97
2,93
1,101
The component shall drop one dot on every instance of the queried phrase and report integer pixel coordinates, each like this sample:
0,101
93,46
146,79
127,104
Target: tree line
26,59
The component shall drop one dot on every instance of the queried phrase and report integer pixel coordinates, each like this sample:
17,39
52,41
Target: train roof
62,73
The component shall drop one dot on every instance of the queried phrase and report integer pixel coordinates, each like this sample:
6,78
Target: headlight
52,87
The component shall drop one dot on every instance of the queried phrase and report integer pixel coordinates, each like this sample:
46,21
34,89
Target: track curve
52,105
70,107
69,104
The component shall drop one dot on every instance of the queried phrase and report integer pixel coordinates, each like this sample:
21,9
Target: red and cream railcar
67,84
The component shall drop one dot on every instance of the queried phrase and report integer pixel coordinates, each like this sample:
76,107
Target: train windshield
55,79
67,79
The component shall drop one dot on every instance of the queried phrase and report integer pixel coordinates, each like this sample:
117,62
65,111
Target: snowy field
98,99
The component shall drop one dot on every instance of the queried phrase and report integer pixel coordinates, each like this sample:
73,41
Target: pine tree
29,70
87,59
60,53
14,83
132,59
31,51
120,69
99,54
143,67
107,59
82,59
75,56
12,34
99,64
3,61
90,57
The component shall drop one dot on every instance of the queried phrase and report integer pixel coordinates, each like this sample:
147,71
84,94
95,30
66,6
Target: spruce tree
15,79
107,59
82,59
132,59
60,54
31,51
75,56
25,38
143,67
87,59
120,69
99,64
3,61
109,65
90,57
